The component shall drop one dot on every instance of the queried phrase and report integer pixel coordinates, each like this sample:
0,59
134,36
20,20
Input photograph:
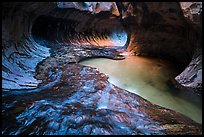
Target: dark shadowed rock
47,92
84,102
160,29
191,77
166,29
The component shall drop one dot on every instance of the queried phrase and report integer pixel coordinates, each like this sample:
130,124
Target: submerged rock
84,102
70,99
172,30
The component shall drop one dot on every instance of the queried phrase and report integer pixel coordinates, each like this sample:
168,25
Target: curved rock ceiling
42,43
46,28
90,30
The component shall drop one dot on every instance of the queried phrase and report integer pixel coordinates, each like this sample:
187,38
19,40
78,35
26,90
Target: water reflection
148,78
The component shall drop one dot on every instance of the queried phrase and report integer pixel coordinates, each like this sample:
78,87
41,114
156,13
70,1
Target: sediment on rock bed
46,91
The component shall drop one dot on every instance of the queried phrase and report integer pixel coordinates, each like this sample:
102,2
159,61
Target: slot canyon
102,68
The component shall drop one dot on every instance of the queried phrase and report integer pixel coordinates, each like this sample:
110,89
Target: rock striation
47,92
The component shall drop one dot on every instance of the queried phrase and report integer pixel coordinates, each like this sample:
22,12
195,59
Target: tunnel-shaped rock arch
69,95
101,30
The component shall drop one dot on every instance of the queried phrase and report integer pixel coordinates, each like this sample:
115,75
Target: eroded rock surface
82,101
191,77
167,29
93,7
159,29
192,11
68,98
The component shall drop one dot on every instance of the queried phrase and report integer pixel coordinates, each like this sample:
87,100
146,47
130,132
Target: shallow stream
147,77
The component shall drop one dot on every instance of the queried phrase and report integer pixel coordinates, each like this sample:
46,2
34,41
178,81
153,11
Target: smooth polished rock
84,102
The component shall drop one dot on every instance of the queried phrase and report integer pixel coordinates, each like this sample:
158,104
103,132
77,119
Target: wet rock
191,77
172,83
159,29
79,109
66,100
100,85
176,35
